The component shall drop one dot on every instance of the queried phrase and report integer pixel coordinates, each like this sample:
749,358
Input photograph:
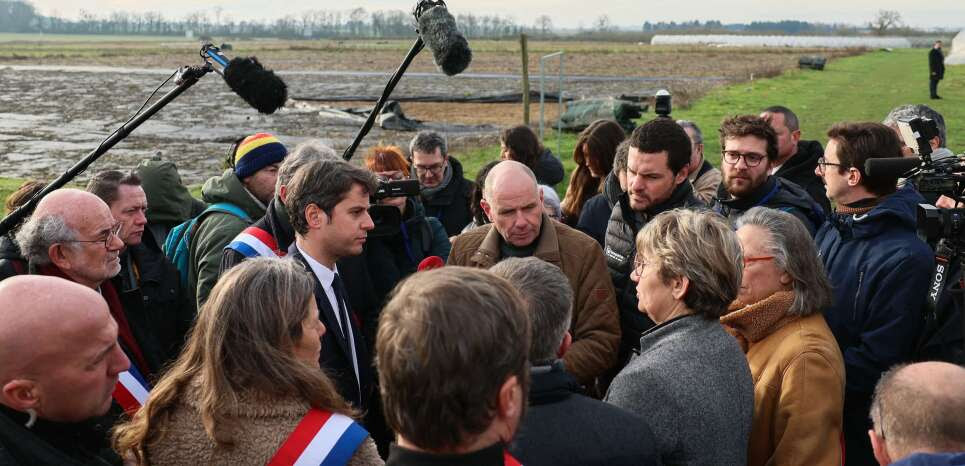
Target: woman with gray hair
794,358
690,379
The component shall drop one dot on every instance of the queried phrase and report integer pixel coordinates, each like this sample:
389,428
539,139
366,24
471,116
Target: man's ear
565,344
20,394
282,193
315,217
510,407
487,209
854,177
879,448
58,256
796,135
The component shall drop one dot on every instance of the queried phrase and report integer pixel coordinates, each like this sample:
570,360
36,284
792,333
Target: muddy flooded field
55,107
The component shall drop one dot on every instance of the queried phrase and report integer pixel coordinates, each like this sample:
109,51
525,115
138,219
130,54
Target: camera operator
907,112
395,248
878,266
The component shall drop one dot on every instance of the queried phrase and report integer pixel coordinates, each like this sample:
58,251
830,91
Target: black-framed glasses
435,169
115,232
752,159
822,162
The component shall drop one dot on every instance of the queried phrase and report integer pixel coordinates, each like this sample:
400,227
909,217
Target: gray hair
794,252
621,156
549,302
323,183
37,235
679,240
698,136
908,112
552,200
910,417
427,142
306,151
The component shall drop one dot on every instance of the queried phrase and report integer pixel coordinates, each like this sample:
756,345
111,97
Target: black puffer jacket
799,169
776,193
620,250
451,205
596,211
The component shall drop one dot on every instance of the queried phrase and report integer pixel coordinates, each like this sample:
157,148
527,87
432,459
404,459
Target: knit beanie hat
256,152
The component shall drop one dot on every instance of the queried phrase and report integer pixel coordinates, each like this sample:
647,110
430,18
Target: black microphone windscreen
259,87
887,167
450,50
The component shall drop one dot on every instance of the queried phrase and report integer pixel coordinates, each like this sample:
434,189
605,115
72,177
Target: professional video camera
944,230
387,218
661,103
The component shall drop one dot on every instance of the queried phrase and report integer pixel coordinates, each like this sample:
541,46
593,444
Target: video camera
387,218
662,103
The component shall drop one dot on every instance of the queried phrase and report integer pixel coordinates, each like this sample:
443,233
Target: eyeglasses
638,266
752,159
748,260
435,169
822,162
384,177
115,232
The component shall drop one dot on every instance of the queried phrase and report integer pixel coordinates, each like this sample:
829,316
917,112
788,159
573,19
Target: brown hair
243,341
386,159
749,125
324,183
601,138
23,194
858,142
448,340
524,143
106,183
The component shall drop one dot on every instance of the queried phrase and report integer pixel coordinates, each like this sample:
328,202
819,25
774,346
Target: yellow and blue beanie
256,152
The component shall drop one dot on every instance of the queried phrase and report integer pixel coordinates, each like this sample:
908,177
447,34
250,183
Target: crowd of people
768,311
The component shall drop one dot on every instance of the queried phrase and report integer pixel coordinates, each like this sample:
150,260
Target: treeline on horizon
20,16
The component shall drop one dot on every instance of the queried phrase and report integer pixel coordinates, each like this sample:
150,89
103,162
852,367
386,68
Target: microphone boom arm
187,77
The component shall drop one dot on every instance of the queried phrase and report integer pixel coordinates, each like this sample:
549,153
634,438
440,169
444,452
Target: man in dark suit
328,202
936,68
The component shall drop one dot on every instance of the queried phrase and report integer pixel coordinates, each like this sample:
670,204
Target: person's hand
945,202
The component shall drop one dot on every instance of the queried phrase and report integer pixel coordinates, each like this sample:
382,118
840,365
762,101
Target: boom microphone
887,167
261,88
449,47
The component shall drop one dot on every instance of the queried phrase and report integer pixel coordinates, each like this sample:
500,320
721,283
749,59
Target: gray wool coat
692,383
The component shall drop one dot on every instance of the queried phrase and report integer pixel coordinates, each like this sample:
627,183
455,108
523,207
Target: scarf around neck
446,179
750,323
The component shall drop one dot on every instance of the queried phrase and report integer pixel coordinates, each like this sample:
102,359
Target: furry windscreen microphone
259,87
450,50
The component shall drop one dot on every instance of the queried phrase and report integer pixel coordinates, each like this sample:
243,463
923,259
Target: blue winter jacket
879,269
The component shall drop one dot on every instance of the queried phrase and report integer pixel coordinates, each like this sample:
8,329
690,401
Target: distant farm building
957,54
782,41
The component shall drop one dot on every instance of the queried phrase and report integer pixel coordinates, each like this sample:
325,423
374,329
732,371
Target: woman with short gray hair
690,379
794,358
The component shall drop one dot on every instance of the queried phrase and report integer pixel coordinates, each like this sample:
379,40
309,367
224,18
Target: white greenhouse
726,40
957,54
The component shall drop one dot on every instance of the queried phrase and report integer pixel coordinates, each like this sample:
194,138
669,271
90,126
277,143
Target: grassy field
858,88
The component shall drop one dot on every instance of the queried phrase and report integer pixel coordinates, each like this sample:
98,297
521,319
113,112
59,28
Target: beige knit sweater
260,425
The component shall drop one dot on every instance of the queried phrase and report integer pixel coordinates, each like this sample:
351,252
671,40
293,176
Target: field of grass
861,88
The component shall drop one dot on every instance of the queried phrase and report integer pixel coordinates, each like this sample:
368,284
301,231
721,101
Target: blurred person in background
445,192
796,158
521,144
703,176
596,212
594,152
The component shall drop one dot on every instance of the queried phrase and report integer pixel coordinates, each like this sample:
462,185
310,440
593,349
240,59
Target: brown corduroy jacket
596,325
798,374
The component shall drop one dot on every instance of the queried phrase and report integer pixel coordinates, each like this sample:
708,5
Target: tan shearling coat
798,374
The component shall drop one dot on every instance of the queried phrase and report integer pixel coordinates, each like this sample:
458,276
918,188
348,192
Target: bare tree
545,25
602,23
885,21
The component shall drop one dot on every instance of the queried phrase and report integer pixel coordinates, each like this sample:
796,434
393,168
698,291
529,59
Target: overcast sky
566,13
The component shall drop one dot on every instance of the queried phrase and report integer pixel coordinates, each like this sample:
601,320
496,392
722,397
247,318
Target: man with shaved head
72,235
514,203
919,415
59,364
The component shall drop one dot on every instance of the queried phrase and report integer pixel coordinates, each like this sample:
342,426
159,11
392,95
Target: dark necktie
340,294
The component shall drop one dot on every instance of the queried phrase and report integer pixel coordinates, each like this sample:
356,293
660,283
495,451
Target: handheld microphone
429,263
450,50
260,87
891,166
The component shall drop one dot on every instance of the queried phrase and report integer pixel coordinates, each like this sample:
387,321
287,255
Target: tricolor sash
508,459
131,390
321,438
255,242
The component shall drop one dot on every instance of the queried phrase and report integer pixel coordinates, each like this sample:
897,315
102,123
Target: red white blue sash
321,438
131,390
255,242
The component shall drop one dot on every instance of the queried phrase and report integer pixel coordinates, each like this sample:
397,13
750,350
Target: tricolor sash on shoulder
131,391
508,459
255,242
321,438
